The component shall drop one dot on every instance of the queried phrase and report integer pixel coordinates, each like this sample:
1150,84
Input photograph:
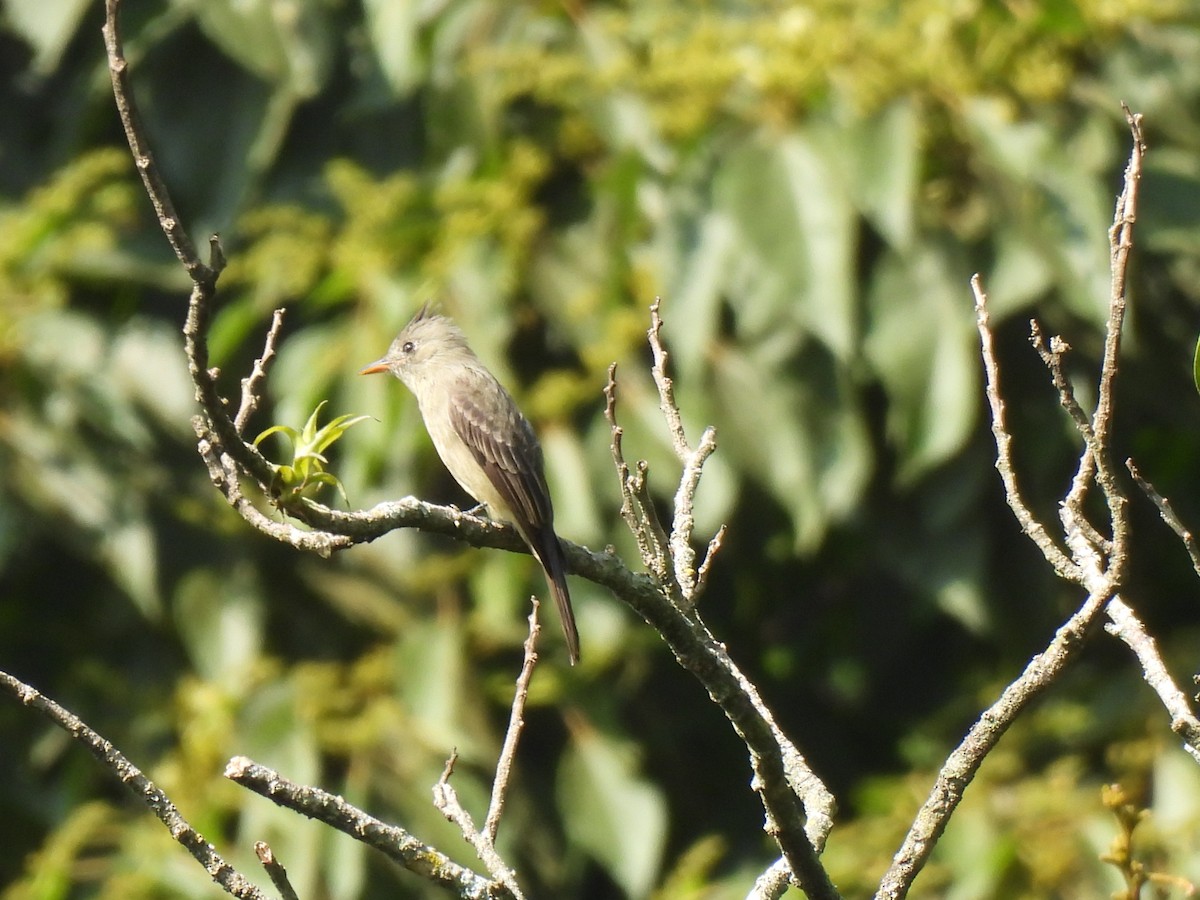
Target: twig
798,806
1167,512
1094,461
773,883
516,723
964,762
1052,354
1036,531
1120,241
156,188
683,523
1125,625
232,881
637,506
706,564
396,843
251,384
666,387
1094,562
275,870
445,798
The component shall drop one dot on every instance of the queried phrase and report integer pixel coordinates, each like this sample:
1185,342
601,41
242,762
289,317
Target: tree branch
145,790
798,806
516,724
1094,561
445,798
395,843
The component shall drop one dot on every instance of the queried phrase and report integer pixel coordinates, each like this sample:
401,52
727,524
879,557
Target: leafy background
809,188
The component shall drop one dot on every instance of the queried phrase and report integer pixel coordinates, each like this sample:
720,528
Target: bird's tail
550,554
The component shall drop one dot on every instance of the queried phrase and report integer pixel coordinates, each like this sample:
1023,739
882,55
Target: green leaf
792,263
1196,366
286,430
335,429
922,343
618,817
47,27
307,468
293,48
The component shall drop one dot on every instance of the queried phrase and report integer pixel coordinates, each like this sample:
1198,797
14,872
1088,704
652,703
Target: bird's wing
503,443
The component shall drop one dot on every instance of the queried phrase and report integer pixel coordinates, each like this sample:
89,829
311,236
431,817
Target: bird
483,440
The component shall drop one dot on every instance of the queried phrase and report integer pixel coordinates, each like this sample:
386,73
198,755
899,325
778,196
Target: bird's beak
378,366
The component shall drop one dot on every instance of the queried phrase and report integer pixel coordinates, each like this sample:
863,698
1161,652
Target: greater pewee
483,439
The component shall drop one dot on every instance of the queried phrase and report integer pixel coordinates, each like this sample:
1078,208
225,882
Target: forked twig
1034,529
445,798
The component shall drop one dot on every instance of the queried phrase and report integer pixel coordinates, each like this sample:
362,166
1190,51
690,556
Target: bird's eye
408,347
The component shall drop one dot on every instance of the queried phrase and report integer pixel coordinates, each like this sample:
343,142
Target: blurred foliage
809,188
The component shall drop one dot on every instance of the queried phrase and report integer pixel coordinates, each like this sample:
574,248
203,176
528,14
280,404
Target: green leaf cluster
306,473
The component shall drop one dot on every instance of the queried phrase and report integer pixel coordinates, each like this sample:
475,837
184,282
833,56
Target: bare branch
1125,625
1004,462
714,546
964,762
145,790
666,387
445,798
1168,515
683,523
798,807
156,188
637,506
275,870
1095,461
396,843
1120,241
516,723
252,383
1095,562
